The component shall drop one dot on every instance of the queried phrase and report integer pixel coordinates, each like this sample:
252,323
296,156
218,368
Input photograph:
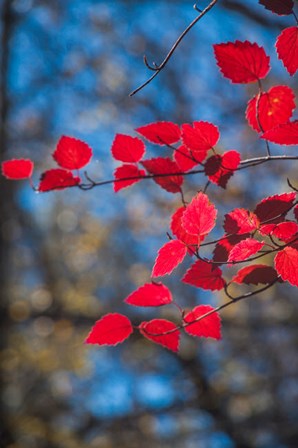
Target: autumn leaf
199,138
245,249
286,262
242,62
280,7
199,216
219,168
127,149
111,329
169,257
284,134
161,331
150,294
273,208
161,132
204,275
240,221
164,169
17,169
207,327
270,109
57,179
255,274
287,48
124,172
72,153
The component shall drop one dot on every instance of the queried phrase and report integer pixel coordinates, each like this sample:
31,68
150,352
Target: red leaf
127,149
204,275
161,331
287,48
111,329
17,169
207,327
165,166
286,262
199,216
255,274
57,179
184,158
242,62
169,256
224,246
124,172
240,221
219,168
280,7
180,233
150,294
72,153
284,134
199,138
271,108
245,249
283,231
161,132
270,209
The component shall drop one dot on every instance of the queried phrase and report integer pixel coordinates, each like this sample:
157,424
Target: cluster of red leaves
246,234
270,230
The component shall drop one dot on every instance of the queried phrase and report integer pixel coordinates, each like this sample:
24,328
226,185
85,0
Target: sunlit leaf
245,249
284,134
150,294
199,216
127,149
57,179
161,132
207,327
17,169
242,62
286,262
287,49
111,329
219,168
125,172
72,153
169,257
161,331
163,167
204,275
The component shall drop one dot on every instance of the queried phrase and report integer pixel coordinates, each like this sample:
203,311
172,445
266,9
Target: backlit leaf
111,329
204,275
283,230
242,62
164,166
287,48
269,109
245,249
284,134
161,331
57,179
180,233
225,245
255,274
125,172
240,221
127,149
286,262
273,209
17,169
150,294
169,256
207,327
184,159
199,138
161,132
72,153
219,168
199,216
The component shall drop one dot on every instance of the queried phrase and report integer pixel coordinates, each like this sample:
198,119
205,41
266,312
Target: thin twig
157,68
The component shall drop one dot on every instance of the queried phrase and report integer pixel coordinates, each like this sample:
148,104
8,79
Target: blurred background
68,257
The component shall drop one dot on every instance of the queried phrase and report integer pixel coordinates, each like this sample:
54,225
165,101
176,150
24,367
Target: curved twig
157,68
